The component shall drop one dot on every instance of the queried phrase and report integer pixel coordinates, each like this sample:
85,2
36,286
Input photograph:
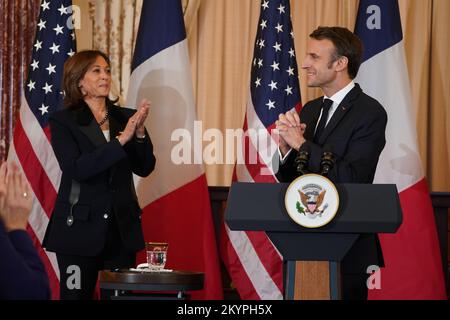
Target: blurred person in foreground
22,274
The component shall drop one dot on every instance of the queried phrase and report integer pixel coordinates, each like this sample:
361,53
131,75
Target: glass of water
156,255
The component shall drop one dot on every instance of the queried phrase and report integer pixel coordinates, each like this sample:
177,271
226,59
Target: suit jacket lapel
87,124
116,125
315,113
340,112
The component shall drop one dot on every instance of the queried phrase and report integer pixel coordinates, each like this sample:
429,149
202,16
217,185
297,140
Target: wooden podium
313,255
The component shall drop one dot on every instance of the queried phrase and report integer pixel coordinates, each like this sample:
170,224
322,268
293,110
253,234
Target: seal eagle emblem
312,197
312,200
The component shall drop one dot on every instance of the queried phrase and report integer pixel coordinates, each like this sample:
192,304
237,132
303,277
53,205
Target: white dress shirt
106,134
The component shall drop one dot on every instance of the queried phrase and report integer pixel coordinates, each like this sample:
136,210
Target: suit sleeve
140,154
22,274
287,170
82,165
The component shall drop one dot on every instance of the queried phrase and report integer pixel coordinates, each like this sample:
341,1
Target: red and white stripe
255,265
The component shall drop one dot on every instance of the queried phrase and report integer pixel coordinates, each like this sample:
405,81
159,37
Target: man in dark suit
346,122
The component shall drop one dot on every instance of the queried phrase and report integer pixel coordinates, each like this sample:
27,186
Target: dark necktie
326,106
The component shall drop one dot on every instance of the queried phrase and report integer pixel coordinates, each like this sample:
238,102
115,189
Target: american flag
255,266
31,149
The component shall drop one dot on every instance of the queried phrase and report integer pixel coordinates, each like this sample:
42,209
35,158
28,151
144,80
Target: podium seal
312,201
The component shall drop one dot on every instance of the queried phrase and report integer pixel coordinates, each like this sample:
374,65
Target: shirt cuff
283,159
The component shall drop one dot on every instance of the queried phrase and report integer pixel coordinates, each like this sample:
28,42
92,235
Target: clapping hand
135,124
141,116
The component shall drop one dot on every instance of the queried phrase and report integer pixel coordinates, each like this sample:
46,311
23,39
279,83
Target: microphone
327,161
301,160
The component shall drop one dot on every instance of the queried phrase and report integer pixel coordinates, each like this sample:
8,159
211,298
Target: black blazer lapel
340,112
87,124
117,123
115,126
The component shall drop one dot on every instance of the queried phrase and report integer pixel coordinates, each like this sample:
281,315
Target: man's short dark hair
346,43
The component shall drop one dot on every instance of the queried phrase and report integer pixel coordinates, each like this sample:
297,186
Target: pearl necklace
102,122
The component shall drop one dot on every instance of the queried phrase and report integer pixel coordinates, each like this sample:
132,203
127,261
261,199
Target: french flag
413,266
174,197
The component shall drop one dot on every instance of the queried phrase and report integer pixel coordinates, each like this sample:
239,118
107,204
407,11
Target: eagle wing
320,198
303,198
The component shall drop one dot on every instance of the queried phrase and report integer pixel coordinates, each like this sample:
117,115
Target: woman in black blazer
95,223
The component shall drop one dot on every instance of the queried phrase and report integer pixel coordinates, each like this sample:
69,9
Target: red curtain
17,31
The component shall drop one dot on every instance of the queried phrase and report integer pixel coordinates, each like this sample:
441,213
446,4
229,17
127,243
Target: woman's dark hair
74,70
346,44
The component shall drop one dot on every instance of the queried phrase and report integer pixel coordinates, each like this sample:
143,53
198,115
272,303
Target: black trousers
79,274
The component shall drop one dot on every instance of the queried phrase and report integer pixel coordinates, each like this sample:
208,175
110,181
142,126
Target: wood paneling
312,280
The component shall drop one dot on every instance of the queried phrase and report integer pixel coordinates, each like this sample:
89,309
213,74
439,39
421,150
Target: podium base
313,280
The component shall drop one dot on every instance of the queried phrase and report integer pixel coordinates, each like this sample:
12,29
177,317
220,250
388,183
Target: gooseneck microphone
327,161
301,160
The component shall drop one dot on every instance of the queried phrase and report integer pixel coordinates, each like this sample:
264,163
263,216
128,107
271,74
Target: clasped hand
291,131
